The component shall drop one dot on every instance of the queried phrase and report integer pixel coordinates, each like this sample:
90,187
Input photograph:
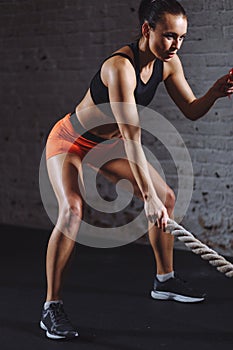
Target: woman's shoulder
119,66
122,55
122,58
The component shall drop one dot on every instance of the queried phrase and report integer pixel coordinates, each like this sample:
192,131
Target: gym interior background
49,52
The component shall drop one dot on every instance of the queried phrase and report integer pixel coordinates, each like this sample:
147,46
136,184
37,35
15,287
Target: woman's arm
179,90
119,76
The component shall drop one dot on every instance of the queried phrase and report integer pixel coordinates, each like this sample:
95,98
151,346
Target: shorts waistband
83,132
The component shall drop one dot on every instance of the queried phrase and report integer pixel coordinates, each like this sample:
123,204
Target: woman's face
167,37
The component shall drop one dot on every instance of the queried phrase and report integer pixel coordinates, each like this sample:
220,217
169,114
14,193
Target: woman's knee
170,200
76,206
70,216
72,209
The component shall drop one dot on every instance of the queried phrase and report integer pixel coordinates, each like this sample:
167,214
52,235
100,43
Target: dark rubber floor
107,295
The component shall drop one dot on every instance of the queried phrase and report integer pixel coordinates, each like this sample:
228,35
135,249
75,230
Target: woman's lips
171,54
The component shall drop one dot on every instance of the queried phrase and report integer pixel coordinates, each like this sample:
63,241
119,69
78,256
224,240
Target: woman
129,76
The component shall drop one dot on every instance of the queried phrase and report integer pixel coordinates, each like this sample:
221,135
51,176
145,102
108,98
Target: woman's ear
145,29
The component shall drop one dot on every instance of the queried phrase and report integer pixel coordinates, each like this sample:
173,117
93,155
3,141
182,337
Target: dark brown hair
153,11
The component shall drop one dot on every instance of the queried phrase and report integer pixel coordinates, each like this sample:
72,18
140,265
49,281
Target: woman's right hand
223,87
156,211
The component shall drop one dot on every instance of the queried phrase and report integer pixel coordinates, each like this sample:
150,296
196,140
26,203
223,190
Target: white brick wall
206,55
49,52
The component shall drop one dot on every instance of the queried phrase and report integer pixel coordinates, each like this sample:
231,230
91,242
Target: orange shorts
63,138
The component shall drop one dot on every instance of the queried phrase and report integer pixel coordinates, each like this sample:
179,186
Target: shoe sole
175,297
54,336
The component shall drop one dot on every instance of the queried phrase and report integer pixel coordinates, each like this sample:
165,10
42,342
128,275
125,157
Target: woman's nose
176,44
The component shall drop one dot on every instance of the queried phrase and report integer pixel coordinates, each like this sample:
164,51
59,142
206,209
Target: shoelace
58,315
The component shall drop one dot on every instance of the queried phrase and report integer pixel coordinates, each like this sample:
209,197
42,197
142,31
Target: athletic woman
130,76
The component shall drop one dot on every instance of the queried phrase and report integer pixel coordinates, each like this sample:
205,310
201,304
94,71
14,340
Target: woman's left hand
223,87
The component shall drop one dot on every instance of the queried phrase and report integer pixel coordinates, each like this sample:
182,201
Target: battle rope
201,249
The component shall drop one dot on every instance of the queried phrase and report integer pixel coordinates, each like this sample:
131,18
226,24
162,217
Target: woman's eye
172,36
169,36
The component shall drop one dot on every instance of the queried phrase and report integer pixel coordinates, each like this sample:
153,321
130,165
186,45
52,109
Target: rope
201,249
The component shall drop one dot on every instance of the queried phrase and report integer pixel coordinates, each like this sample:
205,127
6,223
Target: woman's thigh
66,177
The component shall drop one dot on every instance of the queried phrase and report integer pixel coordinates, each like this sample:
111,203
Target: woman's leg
161,243
63,172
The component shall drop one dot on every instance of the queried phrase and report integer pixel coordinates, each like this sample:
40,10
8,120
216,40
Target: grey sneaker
56,323
176,289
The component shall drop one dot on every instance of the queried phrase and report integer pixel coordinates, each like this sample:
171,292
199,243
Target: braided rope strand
200,248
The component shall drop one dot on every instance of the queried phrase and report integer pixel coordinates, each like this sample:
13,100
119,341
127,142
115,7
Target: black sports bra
143,93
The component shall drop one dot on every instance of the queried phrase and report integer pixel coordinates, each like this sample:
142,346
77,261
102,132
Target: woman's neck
146,57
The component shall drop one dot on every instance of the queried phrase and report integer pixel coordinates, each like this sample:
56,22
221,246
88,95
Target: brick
211,17
228,31
228,5
214,5
215,60
193,6
200,47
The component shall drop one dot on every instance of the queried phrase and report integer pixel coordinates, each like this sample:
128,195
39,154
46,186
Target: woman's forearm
223,87
139,167
154,208
200,106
